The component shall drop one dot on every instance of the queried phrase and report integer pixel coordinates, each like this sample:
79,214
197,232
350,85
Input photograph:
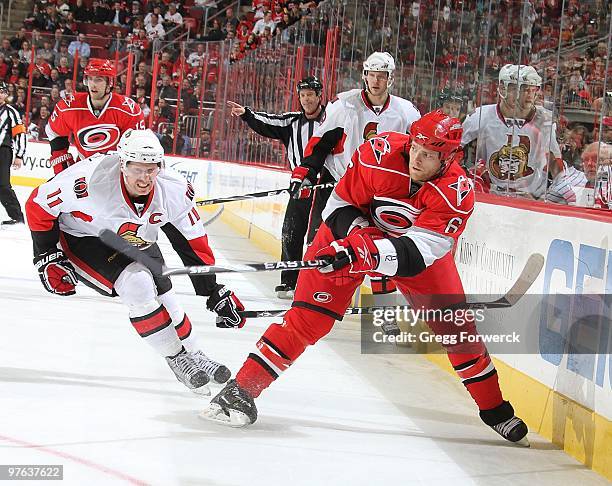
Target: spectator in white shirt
261,24
173,16
155,32
195,58
155,13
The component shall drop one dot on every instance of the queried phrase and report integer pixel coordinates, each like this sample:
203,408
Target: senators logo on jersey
129,232
510,162
370,130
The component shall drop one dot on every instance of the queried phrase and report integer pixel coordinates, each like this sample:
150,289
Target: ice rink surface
79,388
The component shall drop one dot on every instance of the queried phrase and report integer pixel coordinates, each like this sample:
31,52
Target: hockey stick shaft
525,280
214,216
117,243
255,195
246,267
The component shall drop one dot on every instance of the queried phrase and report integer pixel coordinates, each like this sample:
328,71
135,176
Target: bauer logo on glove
227,306
56,272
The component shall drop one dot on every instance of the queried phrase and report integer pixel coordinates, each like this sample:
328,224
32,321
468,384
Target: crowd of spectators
57,31
452,40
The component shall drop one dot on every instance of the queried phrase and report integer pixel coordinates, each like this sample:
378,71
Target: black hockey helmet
3,86
310,82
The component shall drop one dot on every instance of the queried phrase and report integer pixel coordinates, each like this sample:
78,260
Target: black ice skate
188,371
216,372
11,222
390,328
503,421
232,406
284,291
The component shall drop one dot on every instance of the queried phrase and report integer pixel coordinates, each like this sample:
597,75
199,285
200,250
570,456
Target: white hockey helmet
140,146
520,74
380,61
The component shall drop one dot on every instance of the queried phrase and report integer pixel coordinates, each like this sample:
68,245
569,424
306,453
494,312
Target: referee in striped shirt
12,136
293,129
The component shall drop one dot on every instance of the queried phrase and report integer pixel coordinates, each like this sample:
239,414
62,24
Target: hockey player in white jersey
515,139
352,118
131,193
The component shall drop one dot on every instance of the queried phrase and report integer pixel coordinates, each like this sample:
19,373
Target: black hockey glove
225,303
56,272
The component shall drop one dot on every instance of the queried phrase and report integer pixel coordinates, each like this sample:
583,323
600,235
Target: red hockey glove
225,303
482,181
356,253
382,285
61,161
299,179
56,272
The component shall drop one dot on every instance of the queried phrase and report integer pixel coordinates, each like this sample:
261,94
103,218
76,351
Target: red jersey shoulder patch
462,188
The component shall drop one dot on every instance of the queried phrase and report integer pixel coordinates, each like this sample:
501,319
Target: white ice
79,388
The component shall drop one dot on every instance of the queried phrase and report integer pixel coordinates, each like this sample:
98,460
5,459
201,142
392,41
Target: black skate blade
524,442
214,413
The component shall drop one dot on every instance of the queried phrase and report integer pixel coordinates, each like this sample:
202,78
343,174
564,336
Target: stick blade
114,241
528,276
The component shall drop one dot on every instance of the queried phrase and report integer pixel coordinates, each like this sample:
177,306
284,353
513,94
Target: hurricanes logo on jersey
380,147
80,188
128,231
100,137
392,215
463,186
370,131
510,161
130,103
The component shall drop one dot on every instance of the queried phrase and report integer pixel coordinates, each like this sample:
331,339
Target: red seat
190,23
197,14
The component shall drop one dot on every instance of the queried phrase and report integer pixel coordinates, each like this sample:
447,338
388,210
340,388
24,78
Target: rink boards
569,404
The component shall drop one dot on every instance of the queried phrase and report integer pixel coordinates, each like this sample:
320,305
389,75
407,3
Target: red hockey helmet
101,67
438,132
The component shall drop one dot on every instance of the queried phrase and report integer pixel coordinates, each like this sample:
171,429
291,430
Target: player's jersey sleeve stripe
38,218
430,244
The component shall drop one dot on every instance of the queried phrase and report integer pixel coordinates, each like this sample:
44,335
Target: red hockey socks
276,351
479,376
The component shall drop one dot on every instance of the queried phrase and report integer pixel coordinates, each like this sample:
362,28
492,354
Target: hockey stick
254,195
117,243
214,216
245,267
351,311
525,280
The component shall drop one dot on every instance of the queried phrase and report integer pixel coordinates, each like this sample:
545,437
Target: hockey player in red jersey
131,193
398,211
96,119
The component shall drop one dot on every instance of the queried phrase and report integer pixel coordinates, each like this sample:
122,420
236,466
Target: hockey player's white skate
503,421
187,371
232,406
216,372
284,291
